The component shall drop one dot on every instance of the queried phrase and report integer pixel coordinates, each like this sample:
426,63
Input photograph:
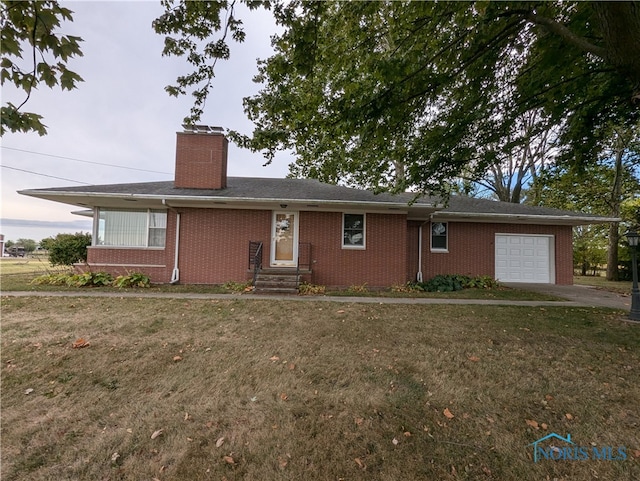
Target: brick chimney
201,158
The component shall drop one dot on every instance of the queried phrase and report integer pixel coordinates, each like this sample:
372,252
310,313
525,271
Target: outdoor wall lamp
632,238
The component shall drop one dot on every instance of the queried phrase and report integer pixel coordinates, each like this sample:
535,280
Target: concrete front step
277,282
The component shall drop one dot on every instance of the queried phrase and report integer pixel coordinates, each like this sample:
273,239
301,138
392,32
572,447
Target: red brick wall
201,160
214,243
472,249
381,264
214,247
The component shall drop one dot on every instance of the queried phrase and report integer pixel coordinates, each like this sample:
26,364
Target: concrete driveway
583,295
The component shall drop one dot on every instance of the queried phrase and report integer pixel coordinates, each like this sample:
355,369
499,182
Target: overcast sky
121,115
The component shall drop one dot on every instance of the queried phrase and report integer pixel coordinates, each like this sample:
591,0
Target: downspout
175,275
419,276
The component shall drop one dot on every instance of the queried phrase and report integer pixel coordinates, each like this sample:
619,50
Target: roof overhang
522,218
414,211
154,201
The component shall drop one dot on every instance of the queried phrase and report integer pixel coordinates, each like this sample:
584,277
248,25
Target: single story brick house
207,228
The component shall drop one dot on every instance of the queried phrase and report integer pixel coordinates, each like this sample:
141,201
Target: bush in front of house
456,282
68,249
94,279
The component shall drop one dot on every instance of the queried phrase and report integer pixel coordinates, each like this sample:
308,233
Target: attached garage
525,258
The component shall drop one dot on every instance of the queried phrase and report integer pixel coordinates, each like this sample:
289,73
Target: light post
632,238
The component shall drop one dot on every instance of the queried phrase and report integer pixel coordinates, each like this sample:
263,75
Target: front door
284,239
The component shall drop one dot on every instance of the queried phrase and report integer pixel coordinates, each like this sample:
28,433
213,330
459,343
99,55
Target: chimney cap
202,129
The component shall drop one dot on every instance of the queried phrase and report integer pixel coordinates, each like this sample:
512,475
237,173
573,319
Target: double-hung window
131,228
439,234
353,231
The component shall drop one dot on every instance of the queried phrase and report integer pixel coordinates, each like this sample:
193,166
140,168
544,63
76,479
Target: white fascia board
88,199
523,218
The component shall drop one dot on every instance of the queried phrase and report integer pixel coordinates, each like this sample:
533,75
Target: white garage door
524,258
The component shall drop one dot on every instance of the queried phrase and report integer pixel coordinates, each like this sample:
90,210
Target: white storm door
284,239
524,258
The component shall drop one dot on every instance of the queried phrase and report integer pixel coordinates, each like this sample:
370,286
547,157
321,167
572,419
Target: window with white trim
131,228
353,231
439,236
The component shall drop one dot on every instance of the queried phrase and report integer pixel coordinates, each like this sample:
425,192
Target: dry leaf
282,462
220,442
157,433
569,416
448,414
549,397
79,343
359,421
473,358
274,358
28,390
407,434
636,453
284,396
186,416
395,441
229,459
486,470
544,426
292,366
532,423
177,358
360,463
341,311
114,457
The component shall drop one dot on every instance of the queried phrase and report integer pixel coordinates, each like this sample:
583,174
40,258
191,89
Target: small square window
353,231
439,231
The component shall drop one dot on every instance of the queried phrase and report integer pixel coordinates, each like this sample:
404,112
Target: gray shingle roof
308,190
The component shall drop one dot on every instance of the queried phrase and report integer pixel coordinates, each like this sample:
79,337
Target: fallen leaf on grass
544,426
157,433
532,423
360,464
114,457
28,391
636,453
473,358
448,414
395,441
177,358
220,442
292,366
359,421
79,343
282,462
274,358
569,416
284,396
229,459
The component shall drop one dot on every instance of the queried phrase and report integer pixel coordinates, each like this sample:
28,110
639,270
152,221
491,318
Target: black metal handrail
255,258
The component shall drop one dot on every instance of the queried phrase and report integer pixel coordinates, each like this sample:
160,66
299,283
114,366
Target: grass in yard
619,287
265,390
17,276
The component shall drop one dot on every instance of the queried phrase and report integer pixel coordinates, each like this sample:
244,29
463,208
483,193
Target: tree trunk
614,236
